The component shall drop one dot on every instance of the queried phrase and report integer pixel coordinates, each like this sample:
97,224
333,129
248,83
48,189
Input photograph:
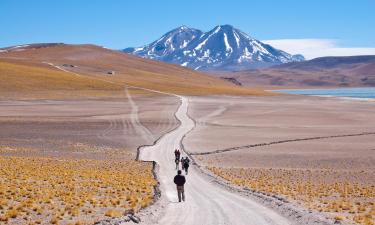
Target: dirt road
206,203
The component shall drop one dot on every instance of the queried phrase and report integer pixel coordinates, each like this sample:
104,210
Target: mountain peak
225,27
222,48
184,27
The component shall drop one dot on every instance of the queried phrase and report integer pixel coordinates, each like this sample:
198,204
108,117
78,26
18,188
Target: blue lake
361,93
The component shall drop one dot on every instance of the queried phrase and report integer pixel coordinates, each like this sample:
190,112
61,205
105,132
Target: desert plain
316,151
73,161
70,134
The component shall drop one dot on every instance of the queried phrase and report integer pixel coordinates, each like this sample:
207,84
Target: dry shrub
55,190
329,191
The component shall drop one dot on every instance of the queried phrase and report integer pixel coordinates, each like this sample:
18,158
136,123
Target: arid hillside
60,70
349,71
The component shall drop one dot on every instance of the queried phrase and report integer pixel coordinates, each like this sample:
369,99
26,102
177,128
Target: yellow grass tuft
113,213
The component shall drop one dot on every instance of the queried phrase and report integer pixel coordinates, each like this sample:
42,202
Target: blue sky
118,24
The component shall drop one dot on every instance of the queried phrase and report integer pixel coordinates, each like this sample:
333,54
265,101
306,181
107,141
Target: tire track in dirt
280,142
138,126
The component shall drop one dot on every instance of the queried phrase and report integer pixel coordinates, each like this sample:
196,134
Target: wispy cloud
312,48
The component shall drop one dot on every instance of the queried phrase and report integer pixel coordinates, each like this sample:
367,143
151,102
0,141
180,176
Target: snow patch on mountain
227,46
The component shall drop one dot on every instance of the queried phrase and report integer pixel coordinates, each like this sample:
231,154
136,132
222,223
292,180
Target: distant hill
321,63
61,70
346,71
222,48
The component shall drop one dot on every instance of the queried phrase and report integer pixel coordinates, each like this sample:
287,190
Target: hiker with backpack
186,164
177,154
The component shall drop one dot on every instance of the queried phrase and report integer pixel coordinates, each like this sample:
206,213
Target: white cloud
312,48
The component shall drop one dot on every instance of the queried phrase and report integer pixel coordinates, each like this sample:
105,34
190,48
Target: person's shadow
175,202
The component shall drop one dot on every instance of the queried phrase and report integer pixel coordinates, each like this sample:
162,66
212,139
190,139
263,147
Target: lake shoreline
361,94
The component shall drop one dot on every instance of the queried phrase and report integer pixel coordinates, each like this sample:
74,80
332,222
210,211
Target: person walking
186,164
177,154
177,161
180,181
182,163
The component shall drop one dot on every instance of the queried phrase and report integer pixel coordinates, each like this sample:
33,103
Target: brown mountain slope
45,70
349,71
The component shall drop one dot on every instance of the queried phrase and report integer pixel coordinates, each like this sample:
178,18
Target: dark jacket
186,162
179,180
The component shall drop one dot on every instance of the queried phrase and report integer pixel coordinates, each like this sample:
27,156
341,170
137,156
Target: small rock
134,218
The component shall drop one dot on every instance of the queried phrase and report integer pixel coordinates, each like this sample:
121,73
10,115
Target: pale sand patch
253,120
334,174
51,124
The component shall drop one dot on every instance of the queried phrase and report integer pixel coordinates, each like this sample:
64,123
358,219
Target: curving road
206,203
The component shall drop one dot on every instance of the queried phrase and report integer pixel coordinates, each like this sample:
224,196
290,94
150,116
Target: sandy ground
237,122
286,142
345,153
53,125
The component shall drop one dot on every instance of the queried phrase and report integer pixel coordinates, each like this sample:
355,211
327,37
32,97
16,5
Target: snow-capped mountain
222,48
168,44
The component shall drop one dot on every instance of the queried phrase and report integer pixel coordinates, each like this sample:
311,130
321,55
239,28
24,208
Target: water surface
358,93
